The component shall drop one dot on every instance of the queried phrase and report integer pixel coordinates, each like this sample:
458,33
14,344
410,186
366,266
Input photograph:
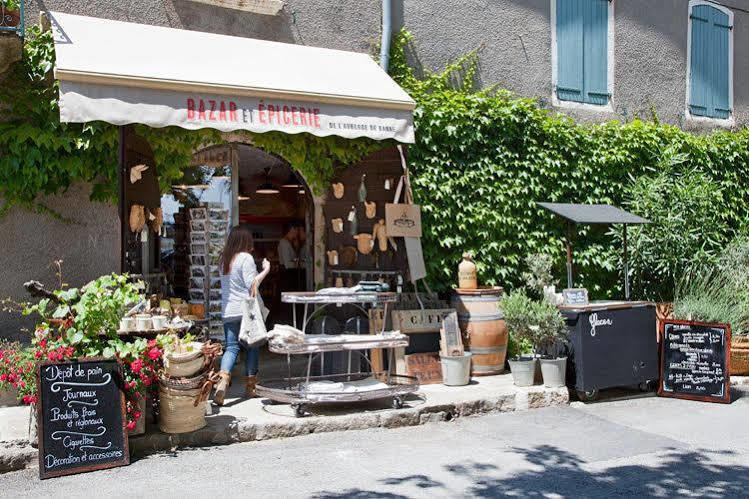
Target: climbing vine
484,157
41,156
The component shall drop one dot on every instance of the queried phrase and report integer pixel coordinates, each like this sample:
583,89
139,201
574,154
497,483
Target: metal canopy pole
569,255
122,178
626,263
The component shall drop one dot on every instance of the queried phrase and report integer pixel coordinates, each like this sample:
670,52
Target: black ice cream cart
610,343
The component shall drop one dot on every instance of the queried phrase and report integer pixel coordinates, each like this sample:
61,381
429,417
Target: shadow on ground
557,472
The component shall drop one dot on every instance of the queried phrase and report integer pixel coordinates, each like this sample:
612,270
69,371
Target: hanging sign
402,220
695,360
81,417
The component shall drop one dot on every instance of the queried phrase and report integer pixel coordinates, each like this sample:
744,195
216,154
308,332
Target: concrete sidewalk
241,420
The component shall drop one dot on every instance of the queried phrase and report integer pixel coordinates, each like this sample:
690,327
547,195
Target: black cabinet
611,344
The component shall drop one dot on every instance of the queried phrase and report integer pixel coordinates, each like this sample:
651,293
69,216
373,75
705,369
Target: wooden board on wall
419,321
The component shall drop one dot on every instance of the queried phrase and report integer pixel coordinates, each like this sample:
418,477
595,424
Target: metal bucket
483,325
523,371
456,371
554,371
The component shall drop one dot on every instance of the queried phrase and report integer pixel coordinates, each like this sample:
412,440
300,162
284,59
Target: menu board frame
726,399
124,461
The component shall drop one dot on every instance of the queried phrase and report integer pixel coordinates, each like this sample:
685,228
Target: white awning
126,73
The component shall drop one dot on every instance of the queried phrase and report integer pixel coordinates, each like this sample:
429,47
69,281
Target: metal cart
297,390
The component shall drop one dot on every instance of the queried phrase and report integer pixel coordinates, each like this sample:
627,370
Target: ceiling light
267,187
292,181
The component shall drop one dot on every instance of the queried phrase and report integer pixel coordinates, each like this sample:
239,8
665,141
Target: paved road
646,446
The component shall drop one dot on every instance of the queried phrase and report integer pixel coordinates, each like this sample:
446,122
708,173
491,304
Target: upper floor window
710,52
582,50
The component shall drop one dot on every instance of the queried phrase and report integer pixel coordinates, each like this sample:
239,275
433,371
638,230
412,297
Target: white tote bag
252,331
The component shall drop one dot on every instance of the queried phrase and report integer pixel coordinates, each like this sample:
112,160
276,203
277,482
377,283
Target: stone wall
88,245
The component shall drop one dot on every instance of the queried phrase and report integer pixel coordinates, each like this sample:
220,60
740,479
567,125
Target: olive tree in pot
540,324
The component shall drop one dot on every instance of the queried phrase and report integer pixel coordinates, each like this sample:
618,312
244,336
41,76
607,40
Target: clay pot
338,190
337,224
364,243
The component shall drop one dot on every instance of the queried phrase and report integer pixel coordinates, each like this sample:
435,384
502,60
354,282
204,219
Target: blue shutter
570,49
709,72
582,50
595,52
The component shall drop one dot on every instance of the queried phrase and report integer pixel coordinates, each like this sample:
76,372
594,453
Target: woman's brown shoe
221,387
250,387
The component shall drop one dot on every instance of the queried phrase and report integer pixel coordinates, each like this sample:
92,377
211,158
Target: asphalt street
631,448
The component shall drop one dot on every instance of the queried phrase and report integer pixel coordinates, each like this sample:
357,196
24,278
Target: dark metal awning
593,213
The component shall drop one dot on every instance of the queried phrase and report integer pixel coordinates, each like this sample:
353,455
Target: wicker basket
740,356
184,383
181,365
178,413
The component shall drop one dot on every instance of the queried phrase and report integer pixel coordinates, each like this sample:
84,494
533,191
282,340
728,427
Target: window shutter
709,72
720,36
595,52
570,49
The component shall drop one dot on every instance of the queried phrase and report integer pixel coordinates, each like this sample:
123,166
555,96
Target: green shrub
538,323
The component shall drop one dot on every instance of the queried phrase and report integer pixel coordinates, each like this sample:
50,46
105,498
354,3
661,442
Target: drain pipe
387,33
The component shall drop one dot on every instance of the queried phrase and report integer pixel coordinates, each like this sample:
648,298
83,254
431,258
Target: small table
321,300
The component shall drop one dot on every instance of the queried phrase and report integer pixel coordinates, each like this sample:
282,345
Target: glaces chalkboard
695,360
81,417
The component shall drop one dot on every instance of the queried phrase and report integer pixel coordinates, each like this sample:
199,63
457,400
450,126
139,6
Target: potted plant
541,325
10,13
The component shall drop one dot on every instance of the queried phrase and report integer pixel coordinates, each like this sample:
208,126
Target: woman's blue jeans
231,350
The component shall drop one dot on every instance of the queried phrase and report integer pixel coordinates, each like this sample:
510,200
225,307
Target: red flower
154,353
22,384
136,365
147,382
3,377
136,415
151,343
131,425
43,343
29,399
38,354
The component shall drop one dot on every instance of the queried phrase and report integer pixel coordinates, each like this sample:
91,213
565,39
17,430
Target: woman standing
238,275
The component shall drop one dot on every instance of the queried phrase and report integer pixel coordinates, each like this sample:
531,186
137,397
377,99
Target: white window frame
727,122
611,59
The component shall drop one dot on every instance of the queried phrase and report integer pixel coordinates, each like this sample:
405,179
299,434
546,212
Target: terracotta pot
11,18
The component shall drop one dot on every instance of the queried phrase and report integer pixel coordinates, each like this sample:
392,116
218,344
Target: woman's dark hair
239,240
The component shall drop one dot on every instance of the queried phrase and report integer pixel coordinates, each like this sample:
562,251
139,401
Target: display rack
299,392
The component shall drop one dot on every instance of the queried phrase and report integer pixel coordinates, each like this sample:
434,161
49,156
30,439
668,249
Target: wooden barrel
483,326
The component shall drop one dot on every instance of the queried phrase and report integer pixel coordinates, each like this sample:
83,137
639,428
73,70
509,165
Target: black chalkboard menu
81,417
695,360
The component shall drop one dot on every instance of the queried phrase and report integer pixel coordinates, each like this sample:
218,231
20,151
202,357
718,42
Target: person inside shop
288,258
239,279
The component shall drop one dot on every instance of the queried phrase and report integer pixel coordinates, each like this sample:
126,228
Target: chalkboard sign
575,296
695,360
81,417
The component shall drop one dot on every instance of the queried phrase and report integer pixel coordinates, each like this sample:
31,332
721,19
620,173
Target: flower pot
739,356
9,397
523,371
456,371
10,18
554,371
140,423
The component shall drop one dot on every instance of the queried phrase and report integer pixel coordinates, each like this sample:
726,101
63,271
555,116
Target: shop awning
126,73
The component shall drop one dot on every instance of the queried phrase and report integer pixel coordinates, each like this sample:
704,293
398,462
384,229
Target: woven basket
178,414
740,356
184,383
181,365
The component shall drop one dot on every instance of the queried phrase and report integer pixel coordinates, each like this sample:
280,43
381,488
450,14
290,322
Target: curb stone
19,454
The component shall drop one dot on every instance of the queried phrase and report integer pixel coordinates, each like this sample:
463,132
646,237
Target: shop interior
236,184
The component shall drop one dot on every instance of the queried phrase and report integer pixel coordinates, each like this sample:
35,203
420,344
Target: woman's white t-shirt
235,287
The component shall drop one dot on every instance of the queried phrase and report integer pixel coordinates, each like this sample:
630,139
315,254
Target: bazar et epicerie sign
271,114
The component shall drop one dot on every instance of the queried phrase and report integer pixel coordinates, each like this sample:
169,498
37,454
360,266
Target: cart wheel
588,396
397,403
298,410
